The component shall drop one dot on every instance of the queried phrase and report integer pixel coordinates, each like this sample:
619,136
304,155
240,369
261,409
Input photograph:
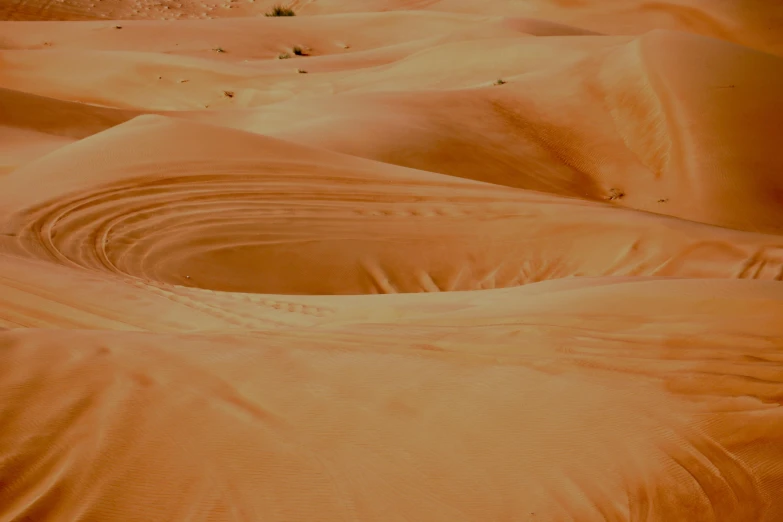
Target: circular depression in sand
234,233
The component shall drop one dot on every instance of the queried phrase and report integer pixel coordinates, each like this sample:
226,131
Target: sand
454,261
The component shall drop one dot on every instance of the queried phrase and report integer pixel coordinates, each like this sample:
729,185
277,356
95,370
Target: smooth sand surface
328,267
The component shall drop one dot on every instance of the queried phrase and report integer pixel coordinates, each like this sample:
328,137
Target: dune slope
391,260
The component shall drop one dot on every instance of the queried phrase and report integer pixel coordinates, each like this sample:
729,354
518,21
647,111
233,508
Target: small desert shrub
280,10
500,81
283,56
219,50
298,51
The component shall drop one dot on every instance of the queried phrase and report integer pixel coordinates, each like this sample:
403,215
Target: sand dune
248,213
627,121
754,23
371,419
22,111
391,260
624,118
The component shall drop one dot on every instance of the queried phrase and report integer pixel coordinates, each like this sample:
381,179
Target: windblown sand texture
456,260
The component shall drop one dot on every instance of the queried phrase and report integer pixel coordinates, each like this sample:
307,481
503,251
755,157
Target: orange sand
581,267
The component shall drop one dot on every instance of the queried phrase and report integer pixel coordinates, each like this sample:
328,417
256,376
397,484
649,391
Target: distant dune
391,260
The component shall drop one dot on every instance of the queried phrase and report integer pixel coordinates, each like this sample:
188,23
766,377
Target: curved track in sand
582,263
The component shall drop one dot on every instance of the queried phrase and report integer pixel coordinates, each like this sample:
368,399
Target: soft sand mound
592,117
639,122
32,126
27,112
445,420
177,202
582,264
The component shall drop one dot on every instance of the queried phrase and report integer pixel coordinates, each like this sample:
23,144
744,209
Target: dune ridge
391,260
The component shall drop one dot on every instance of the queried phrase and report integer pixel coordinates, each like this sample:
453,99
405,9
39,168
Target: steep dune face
32,126
18,147
720,94
572,209
27,112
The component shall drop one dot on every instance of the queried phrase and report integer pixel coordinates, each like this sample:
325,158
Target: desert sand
391,260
